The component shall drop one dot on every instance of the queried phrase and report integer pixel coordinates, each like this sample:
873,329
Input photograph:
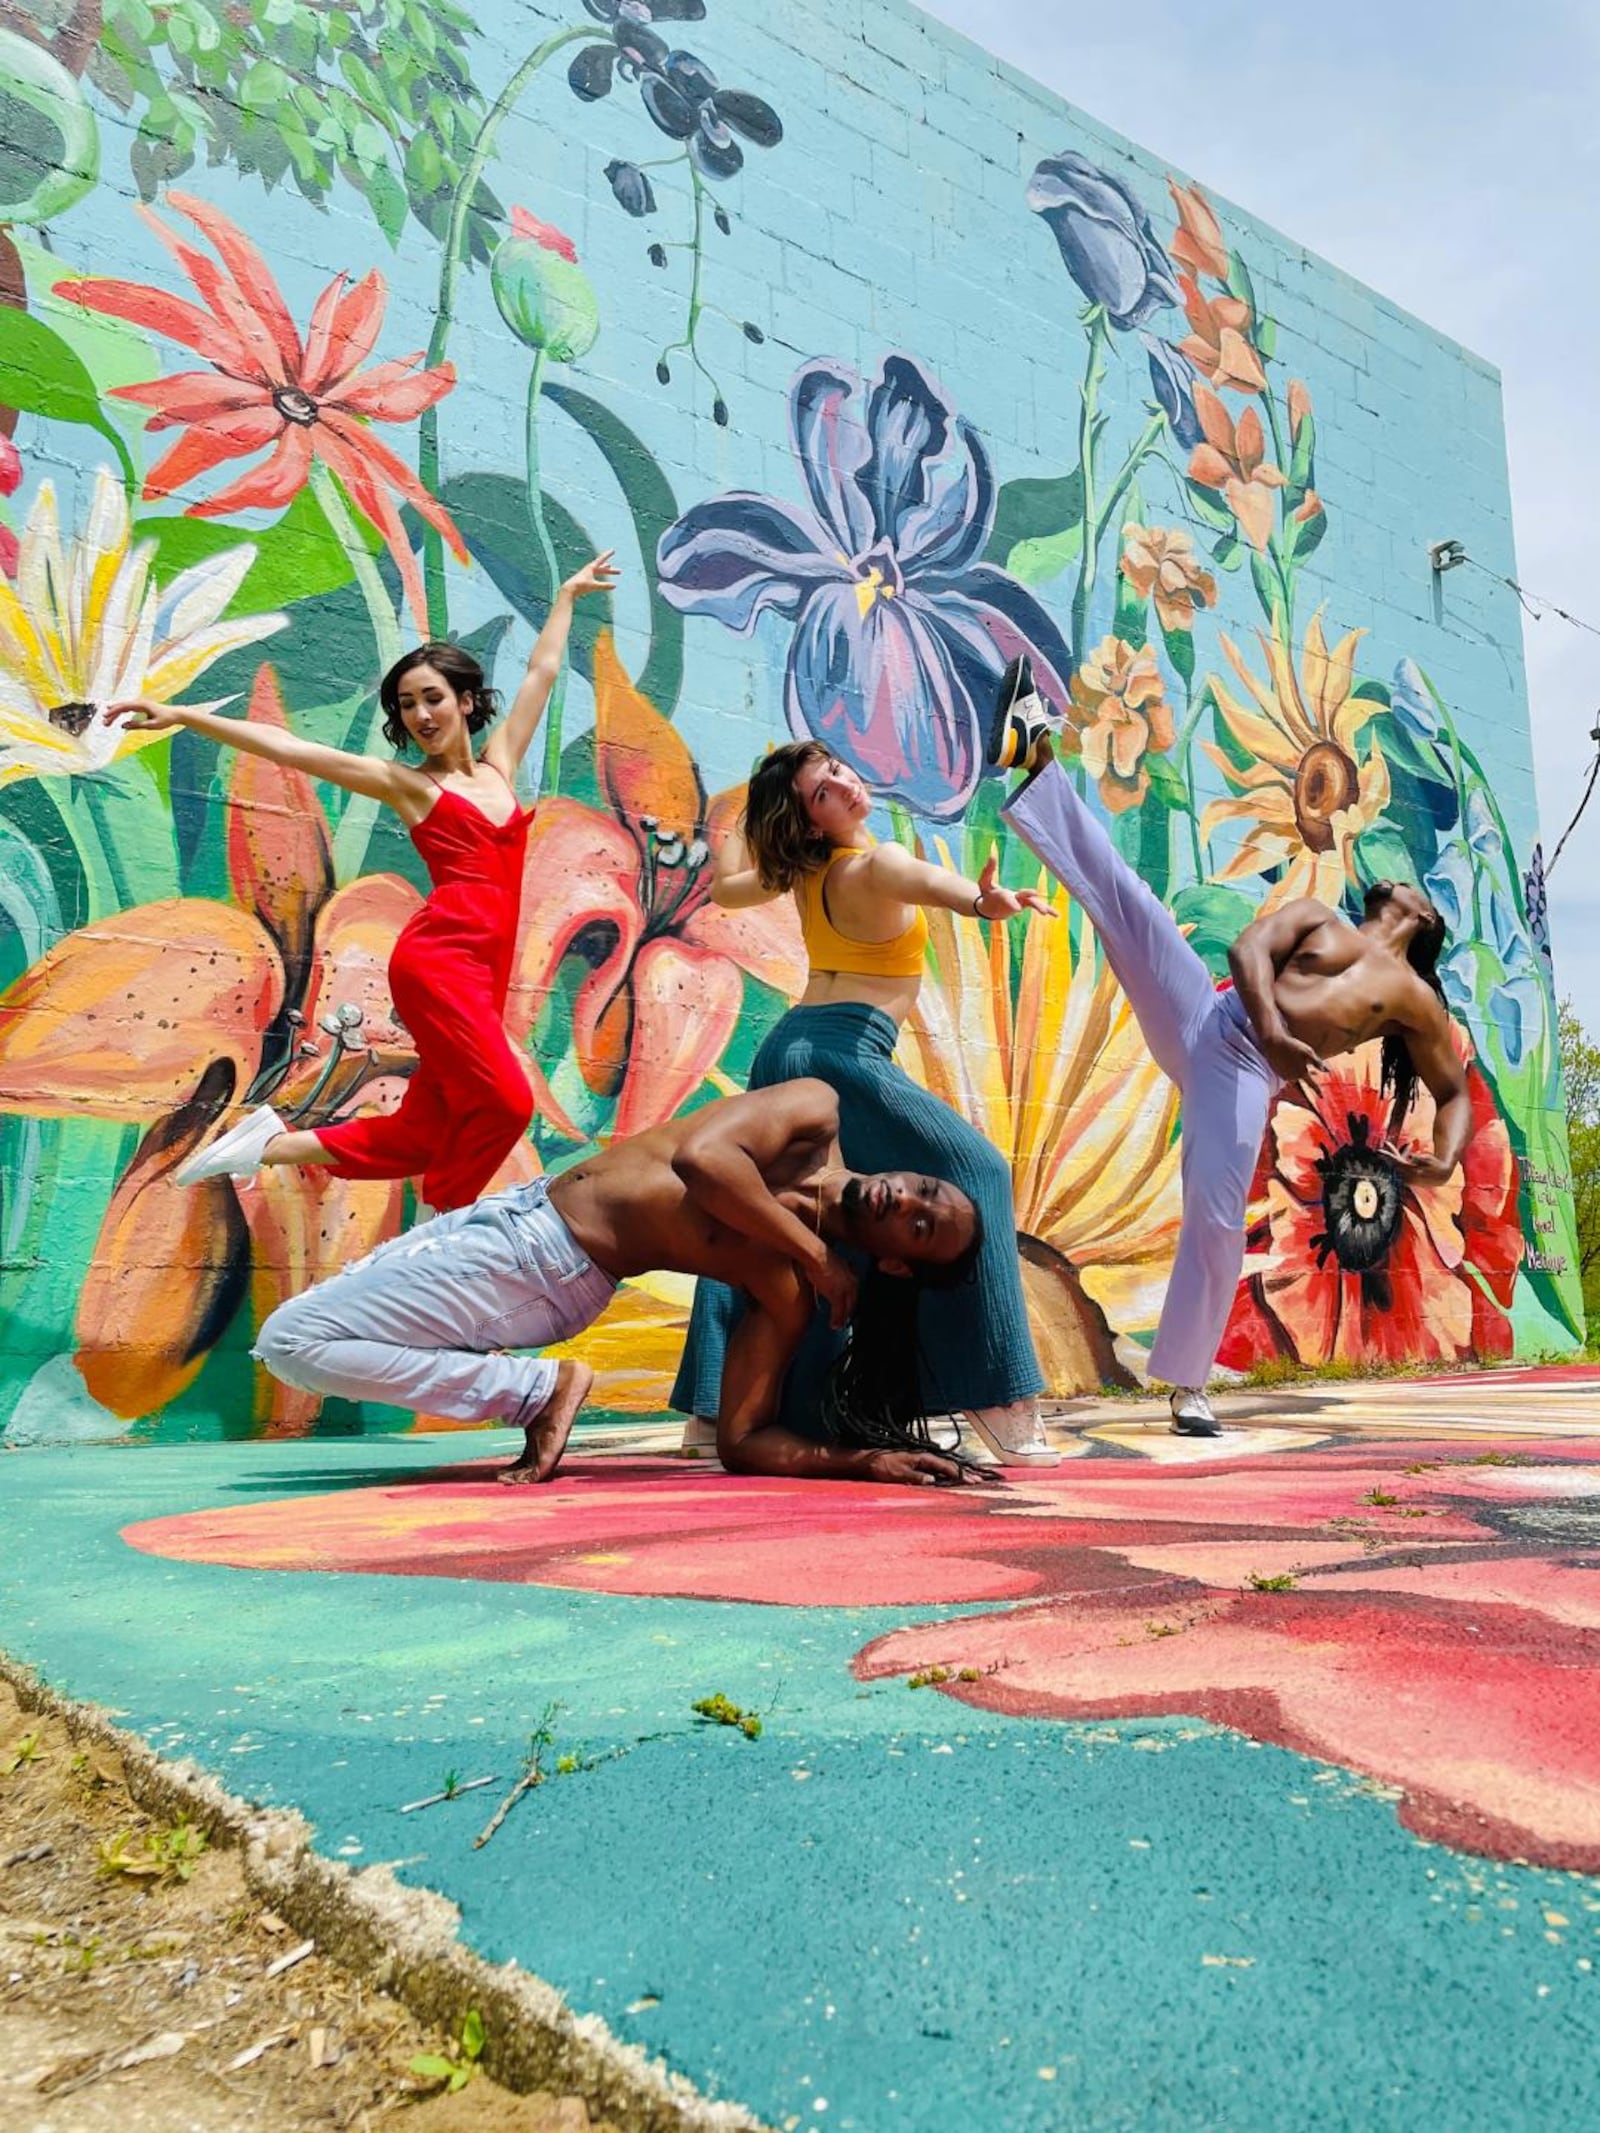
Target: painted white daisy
85,625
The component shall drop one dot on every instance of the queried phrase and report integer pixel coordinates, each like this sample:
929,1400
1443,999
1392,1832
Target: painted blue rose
1489,970
901,632
1106,240
1413,703
1172,378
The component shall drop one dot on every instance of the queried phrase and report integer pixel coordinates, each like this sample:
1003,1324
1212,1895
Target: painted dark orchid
1106,240
901,632
680,92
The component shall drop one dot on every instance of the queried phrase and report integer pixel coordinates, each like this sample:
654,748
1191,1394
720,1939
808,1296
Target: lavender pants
1201,1039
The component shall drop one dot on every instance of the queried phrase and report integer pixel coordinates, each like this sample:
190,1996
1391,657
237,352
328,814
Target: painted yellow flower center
871,588
1325,784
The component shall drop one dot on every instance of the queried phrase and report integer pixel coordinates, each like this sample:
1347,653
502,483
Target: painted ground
1261,1781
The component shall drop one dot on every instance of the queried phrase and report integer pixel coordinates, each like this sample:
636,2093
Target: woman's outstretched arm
367,774
909,880
511,741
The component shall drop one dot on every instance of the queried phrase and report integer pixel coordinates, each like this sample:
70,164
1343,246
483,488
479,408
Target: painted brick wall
1109,416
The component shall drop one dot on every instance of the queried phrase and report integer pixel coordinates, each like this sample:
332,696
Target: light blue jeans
421,1321
1201,1039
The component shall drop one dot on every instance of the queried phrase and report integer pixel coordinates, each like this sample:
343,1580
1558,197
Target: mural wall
327,326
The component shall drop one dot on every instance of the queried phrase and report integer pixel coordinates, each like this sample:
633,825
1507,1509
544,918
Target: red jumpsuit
470,1101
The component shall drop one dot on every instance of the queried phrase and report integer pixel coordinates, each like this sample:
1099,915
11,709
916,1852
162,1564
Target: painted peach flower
308,399
1118,713
1232,458
168,1015
1304,796
1160,562
621,896
1199,246
1218,343
1351,1261
1064,1086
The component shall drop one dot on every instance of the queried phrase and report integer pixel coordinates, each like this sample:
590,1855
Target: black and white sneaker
1191,1413
1021,715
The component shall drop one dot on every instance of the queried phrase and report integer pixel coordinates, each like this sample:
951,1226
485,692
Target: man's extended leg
421,1323
1226,1101
1168,987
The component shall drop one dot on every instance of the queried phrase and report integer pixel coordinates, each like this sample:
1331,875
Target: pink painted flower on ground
1435,1623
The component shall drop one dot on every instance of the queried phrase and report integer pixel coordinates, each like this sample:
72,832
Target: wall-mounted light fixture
1447,555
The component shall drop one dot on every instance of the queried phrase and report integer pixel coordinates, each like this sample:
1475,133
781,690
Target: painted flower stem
1144,444
550,776
689,338
354,833
444,314
100,895
1088,423
1194,706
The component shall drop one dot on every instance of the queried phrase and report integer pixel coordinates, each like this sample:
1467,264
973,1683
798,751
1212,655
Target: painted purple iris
901,632
680,92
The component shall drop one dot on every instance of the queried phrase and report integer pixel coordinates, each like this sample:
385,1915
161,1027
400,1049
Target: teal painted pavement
889,1911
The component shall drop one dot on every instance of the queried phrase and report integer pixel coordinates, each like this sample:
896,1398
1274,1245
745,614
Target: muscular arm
750,1440
1255,959
365,774
723,1161
506,748
1439,1068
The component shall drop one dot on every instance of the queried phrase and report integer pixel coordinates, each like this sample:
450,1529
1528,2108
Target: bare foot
550,1428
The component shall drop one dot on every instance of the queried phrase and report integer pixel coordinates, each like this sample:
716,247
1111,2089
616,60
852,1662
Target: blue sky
1449,157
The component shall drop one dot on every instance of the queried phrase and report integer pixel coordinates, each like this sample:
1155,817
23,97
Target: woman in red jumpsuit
469,1101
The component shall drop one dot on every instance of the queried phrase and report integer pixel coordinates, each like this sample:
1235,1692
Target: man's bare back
633,1213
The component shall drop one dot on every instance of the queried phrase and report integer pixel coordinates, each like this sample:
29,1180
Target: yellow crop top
830,950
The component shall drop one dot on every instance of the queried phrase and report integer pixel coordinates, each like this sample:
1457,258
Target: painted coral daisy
308,399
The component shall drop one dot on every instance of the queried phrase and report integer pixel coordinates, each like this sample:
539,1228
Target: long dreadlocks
1422,953
873,1399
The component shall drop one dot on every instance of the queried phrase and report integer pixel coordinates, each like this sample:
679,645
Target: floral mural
377,350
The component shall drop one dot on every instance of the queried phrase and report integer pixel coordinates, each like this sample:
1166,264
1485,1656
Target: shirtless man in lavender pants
1306,987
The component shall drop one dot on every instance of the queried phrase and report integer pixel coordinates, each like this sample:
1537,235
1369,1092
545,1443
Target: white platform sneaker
236,1153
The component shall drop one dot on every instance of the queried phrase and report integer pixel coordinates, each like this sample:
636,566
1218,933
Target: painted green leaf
1382,854
1303,459
1217,916
386,196
1308,535
638,474
1180,650
1226,552
41,375
1210,507
298,558
1166,782
491,512
1036,562
1265,580
1031,510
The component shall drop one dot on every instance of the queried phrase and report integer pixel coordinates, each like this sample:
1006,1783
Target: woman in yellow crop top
863,911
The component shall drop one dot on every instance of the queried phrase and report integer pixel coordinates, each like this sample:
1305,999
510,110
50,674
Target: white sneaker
699,1438
236,1153
1191,1413
1014,1434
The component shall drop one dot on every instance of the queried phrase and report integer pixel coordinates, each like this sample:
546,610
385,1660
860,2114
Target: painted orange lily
1199,245
1232,457
163,1017
1218,341
626,890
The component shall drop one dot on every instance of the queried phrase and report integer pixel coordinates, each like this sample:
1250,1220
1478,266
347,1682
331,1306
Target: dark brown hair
783,843
458,667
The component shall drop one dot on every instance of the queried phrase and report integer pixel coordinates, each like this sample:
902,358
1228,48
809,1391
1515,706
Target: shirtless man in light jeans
1306,986
749,1190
